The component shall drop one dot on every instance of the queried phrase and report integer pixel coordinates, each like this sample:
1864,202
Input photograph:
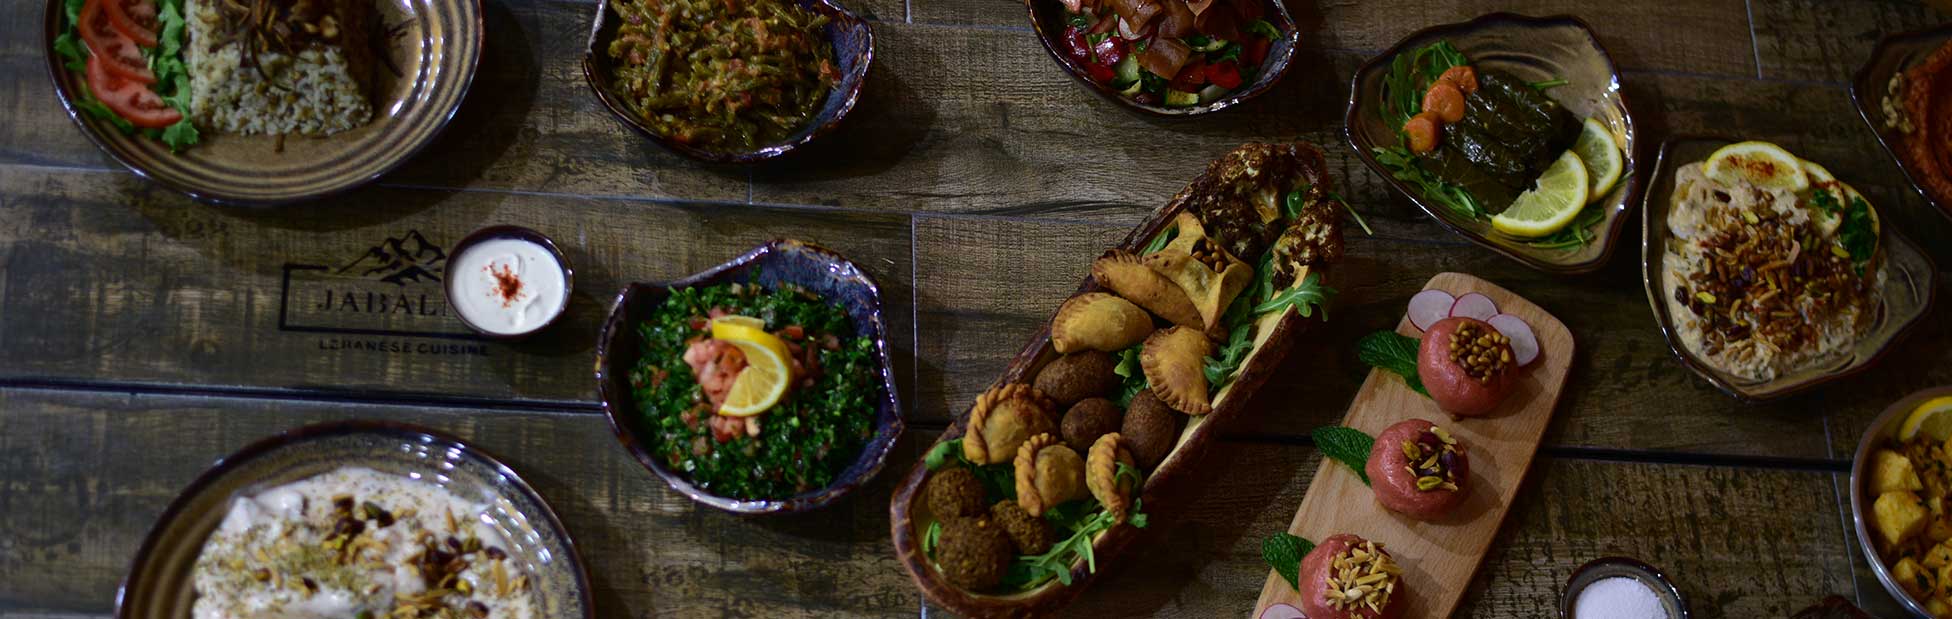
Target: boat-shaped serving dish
1910,283
1895,54
820,270
1533,49
1274,332
1048,18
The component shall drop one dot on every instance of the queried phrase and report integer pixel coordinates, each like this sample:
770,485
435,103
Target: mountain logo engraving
409,258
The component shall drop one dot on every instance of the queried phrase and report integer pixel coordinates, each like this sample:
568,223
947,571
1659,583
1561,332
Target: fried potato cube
1939,529
1938,607
1899,516
1944,589
1892,472
1914,578
1939,556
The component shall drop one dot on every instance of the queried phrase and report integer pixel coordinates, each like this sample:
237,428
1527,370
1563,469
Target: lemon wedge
1761,163
1933,419
768,373
1601,154
1551,204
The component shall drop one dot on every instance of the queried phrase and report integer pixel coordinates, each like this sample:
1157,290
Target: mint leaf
1283,552
1395,352
1349,446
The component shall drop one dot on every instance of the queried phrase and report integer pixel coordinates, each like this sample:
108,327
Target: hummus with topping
355,543
1760,283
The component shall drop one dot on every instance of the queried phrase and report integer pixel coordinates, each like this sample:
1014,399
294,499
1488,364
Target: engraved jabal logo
392,288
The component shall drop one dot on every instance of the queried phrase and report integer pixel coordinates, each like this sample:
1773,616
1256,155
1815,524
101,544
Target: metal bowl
1883,429
1609,567
821,270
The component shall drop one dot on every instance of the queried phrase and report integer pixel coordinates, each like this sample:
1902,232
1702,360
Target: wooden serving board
1438,558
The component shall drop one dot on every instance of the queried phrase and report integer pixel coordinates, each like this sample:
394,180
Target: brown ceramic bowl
436,54
853,43
1883,429
1894,54
1533,49
825,272
1911,282
160,583
518,233
1047,17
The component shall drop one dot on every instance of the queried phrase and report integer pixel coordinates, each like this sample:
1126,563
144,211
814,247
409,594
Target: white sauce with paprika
506,286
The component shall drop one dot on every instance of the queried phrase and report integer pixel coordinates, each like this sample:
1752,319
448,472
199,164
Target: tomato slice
128,98
135,19
1076,46
1225,74
1190,77
1111,51
1255,52
120,54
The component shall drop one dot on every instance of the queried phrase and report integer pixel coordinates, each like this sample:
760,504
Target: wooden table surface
143,335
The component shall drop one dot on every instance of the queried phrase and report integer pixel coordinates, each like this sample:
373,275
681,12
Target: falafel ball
1089,419
1032,535
974,552
1150,429
1079,375
954,492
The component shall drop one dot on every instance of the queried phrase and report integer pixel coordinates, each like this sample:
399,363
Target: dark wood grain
1820,41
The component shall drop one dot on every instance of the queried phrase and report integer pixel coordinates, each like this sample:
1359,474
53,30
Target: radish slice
1282,611
1524,344
1474,305
1428,307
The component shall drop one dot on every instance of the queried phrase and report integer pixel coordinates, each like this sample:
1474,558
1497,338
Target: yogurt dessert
355,542
507,285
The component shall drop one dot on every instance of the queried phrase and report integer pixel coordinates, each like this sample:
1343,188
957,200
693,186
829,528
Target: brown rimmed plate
1910,283
823,271
160,583
1047,17
1894,54
436,49
1884,428
853,43
1533,49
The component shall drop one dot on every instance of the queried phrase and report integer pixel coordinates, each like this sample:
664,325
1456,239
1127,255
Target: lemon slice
1551,204
1761,163
760,386
1933,419
736,328
1601,154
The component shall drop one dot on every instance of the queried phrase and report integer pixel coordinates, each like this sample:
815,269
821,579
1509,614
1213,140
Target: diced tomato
794,332
1191,76
128,98
1100,73
1254,51
1249,10
1225,74
135,19
1076,46
120,54
1111,51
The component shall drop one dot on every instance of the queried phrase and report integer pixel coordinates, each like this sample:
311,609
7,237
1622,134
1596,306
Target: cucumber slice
1176,98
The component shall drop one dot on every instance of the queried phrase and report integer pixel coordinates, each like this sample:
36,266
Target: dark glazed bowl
817,268
1533,49
853,43
160,583
1910,283
1609,567
1047,17
1884,428
1894,54
436,54
519,233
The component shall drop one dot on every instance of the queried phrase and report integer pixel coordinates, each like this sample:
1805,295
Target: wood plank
85,475
1697,37
1627,391
107,278
1827,41
1439,557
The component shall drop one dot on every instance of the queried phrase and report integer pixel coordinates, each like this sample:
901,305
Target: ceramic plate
1047,17
821,270
1532,49
159,584
1884,428
1894,54
853,48
1908,288
435,47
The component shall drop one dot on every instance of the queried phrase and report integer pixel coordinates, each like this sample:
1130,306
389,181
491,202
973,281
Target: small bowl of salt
1620,588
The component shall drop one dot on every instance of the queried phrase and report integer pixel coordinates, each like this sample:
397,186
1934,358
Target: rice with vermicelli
1755,289
315,90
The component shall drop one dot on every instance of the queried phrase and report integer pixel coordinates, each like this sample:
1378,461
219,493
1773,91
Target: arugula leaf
1404,166
1352,213
1283,552
1395,352
1409,75
1132,373
1576,234
70,47
1551,83
999,480
943,453
1296,201
1858,234
1304,297
1085,520
1220,367
1346,445
1159,242
1080,21
931,537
